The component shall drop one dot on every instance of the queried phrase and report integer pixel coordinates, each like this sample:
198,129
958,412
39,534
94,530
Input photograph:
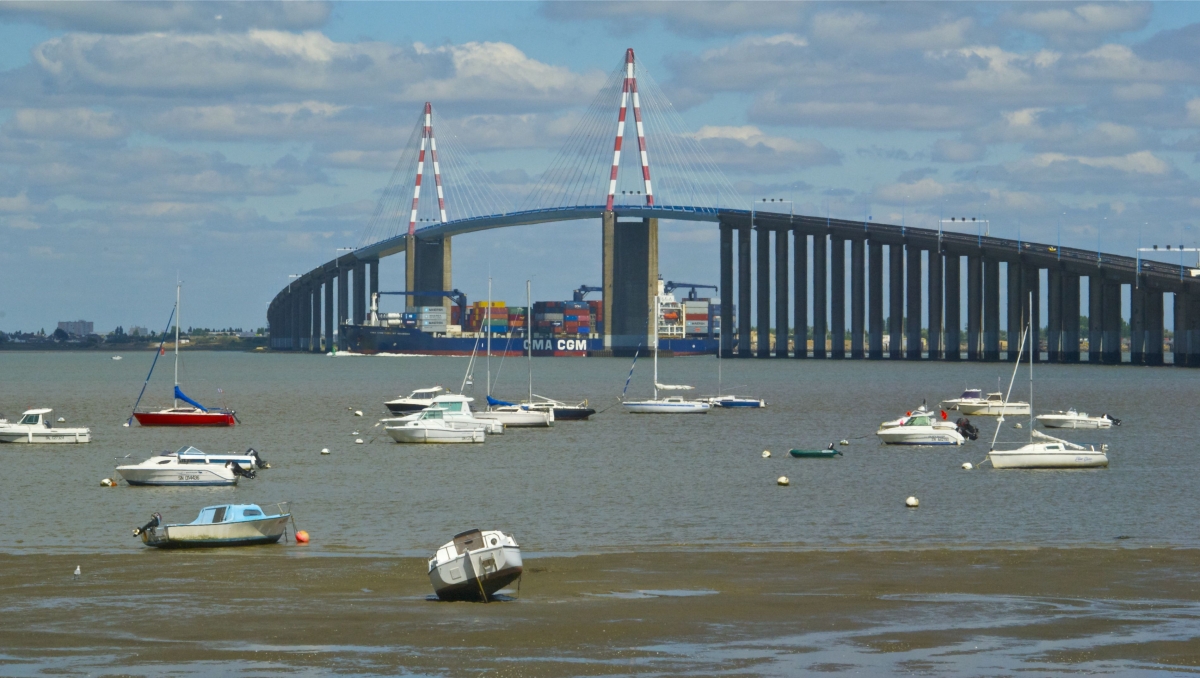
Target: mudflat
281,610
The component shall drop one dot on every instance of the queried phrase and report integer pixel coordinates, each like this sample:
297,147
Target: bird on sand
77,572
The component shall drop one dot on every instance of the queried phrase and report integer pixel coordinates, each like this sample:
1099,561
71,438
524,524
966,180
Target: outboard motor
966,429
258,461
239,471
155,521
1114,420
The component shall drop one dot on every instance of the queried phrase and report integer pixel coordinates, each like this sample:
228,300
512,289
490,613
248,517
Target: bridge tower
427,261
630,246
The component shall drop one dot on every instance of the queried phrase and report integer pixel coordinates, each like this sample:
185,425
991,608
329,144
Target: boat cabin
36,417
995,397
425,393
918,420
229,513
972,394
453,403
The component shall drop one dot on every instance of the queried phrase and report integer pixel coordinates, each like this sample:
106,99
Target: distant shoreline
243,345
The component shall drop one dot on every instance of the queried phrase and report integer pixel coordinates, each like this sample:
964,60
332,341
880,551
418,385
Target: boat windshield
972,393
187,449
432,414
917,421
451,406
30,419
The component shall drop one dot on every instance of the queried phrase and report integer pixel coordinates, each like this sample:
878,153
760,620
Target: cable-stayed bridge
631,161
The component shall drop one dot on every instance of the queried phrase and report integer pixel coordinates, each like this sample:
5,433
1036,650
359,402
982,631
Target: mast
1032,347
654,338
718,360
178,285
488,329
528,341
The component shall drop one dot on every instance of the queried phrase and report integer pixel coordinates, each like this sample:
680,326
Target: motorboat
456,410
431,427
475,565
736,401
516,416
190,414
1050,453
561,411
669,404
415,401
223,525
974,402
1074,419
36,426
920,428
190,466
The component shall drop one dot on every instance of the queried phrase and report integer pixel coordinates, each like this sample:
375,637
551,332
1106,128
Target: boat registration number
189,476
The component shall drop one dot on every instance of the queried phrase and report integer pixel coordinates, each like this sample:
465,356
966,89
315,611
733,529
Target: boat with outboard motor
974,402
475,565
1074,419
430,426
415,401
922,427
36,426
190,466
222,525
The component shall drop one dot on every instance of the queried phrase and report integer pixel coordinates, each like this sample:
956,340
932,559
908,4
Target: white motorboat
415,401
456,410
667,405
190,466
736,401
973,402
1074,419
36,426
227,525
475,565
431,427
1042,451
920,427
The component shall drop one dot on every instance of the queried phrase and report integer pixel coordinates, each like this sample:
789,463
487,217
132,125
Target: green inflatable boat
825,453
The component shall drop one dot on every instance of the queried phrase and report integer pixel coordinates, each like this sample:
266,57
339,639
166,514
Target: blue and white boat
736,401
223,525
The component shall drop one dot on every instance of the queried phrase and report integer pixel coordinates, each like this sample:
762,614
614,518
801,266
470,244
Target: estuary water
619,482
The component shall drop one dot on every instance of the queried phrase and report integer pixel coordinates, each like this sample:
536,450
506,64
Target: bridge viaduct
924,268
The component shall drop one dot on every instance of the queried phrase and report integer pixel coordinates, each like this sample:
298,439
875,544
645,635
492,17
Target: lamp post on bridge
1195,272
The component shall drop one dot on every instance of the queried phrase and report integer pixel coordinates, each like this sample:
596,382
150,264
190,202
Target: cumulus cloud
1085,21
65,123
139,17
949,150
748,149
689,18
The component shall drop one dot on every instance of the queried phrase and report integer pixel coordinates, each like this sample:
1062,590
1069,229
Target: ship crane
671,286
583,290
458,297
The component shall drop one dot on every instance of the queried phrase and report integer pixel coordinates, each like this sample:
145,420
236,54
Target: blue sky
235,144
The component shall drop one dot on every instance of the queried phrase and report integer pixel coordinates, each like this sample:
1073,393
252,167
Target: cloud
687,18
1085,21
1140,173
748,149
948,150
65,123
140,17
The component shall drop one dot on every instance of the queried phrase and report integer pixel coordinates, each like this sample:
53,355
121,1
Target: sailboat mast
178,285
1032,347
488,329
528,340
719,348
654,338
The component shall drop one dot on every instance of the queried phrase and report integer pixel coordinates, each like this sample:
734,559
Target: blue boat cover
180,394
493,402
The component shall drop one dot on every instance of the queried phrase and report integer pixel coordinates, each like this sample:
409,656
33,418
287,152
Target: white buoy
78,572
783,480
324,450
358,413
967,466
766,453
354,433
126,424
106,483
358,441
843,441
912,502
1016,426
61,419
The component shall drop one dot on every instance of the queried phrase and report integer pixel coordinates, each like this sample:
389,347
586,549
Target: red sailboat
196,414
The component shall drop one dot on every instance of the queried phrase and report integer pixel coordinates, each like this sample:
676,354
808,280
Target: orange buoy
302,537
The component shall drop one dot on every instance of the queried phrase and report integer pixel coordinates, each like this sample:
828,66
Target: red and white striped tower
629,87
427,134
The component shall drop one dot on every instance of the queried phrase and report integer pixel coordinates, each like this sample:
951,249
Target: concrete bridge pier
743,303
875,299
1137,323
837,298
1033,298
432,270
1095,313
1070,322
974,305
293,320
314,343
913,303
952,340
991,310
857,298
726,291
762,241
820,278
1111,319
1054,315
329,278
800,292
782,322
630,271
343,309
895,301
935,303
360,295
1154,326
1187,329
1018,308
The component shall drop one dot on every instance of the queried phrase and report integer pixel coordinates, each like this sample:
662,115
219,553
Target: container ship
553,328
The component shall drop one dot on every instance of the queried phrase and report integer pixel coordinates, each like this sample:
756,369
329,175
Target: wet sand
271,610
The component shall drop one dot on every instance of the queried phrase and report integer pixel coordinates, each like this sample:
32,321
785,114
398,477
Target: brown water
693,486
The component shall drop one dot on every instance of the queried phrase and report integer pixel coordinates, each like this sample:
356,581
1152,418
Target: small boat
560,410
36,426
475,565
116,357
415,401
669,404
920,427
826,453
190,466
1073,419
511,414
973,402
736,401
431,427
177,415
223,525
456,410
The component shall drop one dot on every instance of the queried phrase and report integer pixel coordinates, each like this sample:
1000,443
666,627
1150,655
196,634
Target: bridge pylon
427,262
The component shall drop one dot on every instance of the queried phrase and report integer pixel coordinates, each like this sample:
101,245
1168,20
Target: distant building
136,331
77,328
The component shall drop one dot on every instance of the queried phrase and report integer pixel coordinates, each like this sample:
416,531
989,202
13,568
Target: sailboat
196,414
1048,451
511,414
669,404
721,400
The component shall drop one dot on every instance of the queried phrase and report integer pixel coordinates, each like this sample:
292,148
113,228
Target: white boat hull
520,419
1084,422
1037,455
194,474
418,434
33,436
919,435
242,533
993,409
662,407
477,575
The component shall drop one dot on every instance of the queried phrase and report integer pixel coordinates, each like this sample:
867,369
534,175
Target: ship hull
407,341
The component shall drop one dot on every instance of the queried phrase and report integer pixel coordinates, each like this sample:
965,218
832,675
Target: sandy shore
276,609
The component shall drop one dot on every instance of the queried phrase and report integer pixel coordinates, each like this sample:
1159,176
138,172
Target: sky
231,145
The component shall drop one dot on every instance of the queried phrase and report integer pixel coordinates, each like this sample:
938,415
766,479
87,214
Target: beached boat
475,565
190,466
826,453
974,402
223,525
431,427
1073,419
36,427
415,401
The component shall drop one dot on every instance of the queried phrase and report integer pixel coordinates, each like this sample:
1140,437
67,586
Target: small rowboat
227,525
826,453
